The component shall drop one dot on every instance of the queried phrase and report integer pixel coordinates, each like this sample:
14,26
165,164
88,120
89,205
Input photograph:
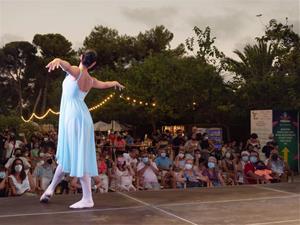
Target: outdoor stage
263,204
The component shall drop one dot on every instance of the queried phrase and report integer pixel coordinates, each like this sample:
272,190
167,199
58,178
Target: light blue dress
76,152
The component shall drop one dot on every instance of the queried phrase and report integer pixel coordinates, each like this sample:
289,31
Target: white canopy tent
113,125
102,126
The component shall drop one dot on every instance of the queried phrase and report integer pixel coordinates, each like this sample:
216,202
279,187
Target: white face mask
18,168
181,155
188,166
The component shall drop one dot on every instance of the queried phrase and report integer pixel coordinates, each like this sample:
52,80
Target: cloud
226,25
151,16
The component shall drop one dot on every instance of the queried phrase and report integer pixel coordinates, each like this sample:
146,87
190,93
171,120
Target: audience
128,164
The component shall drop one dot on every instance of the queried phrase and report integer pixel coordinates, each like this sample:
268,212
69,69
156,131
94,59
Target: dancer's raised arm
64,65
108,84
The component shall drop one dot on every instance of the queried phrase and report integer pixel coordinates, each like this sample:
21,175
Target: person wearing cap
240,162
249,170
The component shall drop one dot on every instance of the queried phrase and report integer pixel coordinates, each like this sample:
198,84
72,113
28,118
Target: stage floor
256,204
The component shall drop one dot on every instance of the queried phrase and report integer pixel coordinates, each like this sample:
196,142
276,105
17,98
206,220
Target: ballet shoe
46,197
82,204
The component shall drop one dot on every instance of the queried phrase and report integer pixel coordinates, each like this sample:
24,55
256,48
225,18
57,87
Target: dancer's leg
87,199
58,175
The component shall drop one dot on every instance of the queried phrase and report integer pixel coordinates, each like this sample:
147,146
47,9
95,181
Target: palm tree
256,61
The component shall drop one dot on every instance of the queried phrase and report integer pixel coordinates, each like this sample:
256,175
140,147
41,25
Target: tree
50,46
15,59
205,49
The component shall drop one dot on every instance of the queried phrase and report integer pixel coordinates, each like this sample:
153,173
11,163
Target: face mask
42,154
228,155
245,158
211,165
2,175
145,159
253,159
163,154
188,166
49,161
275,157
18,168
205,138
181,155
45,139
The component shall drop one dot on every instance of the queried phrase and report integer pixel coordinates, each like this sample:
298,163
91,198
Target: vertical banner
261,124
286,133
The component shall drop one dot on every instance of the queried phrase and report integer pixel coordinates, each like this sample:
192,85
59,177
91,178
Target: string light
108,98
33,115
134,101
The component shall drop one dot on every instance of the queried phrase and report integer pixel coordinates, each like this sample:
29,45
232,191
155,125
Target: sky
233,22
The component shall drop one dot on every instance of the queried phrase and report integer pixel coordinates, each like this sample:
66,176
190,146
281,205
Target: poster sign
286,134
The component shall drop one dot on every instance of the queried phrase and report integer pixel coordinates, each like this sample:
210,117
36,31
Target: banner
261,124
286,134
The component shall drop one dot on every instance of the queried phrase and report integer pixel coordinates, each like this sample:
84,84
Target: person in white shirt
148,171
124,174
20,182
131,157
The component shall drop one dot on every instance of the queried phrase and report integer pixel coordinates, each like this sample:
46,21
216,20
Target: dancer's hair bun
89,57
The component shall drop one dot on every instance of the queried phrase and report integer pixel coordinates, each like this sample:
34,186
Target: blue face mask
245,158
211,165
2,175
145,159
253,159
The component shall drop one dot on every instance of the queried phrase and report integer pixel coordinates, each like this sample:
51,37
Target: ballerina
76,153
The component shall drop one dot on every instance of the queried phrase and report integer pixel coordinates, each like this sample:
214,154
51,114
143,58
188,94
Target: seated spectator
128,138
249,170
131,157
102,179
253,143
179,161
178,141
206,144
44,173
267,149
20,182
261,170
192,144
19,155
227,166
147,172
124,174
120,144
278,166
214,175
3,182
190,176
240,165
164,165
